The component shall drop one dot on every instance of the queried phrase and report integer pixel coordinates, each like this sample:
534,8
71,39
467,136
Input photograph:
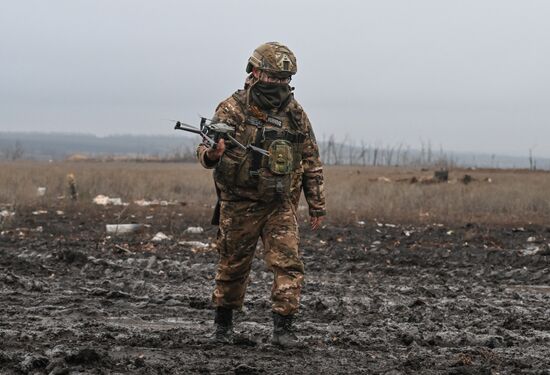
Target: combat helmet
274,58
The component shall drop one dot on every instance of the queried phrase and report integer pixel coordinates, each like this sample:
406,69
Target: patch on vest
274,121
254,121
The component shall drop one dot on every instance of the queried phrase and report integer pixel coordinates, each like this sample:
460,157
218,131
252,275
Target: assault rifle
211,133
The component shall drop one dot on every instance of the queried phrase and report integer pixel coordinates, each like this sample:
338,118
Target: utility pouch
273,187
226,169
232,170
281,159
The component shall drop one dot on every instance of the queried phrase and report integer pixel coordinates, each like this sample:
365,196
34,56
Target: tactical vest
250,174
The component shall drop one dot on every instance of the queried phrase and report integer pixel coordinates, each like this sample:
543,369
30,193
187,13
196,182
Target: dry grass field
353,193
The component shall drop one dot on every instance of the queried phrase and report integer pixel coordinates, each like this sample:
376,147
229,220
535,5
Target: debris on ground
104,200
123,249
194,244
467,179
159,237
124,228
41,191
194,230
441,176
438,178
4,214
155,202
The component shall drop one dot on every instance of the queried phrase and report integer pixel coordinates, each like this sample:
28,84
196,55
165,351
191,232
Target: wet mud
378,299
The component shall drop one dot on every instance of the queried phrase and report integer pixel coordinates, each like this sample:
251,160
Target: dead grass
512,197
353,193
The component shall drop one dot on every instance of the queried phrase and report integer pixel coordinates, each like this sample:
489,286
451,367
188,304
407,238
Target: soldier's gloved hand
214,154
316,222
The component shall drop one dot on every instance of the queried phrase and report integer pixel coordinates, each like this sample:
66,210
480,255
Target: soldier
258,194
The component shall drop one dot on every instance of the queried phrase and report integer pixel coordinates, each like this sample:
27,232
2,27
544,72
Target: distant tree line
36,146
351,153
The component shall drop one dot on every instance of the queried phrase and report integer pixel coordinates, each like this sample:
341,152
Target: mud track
378,299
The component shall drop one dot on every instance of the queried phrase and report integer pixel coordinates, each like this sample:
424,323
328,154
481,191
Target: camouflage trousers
242,223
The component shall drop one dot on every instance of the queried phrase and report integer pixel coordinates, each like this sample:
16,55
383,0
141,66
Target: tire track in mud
377,299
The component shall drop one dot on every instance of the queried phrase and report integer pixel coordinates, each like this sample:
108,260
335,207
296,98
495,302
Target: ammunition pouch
233,169
273,187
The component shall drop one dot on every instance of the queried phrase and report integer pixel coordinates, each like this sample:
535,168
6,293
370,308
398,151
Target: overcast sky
468,75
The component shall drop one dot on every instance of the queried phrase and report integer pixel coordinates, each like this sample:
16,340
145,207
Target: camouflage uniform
249,210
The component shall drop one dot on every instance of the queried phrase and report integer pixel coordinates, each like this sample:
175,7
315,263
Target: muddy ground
378,298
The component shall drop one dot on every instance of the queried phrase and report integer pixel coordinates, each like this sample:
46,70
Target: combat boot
283,332
224,333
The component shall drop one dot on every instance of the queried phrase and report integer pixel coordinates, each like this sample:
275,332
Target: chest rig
282,135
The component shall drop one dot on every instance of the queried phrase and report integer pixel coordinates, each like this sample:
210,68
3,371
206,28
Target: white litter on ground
6,213
194,244
159,237
530,250
123,228
154,202
194,230
104,200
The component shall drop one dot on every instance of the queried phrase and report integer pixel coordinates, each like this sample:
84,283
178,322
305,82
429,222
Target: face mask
270,95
